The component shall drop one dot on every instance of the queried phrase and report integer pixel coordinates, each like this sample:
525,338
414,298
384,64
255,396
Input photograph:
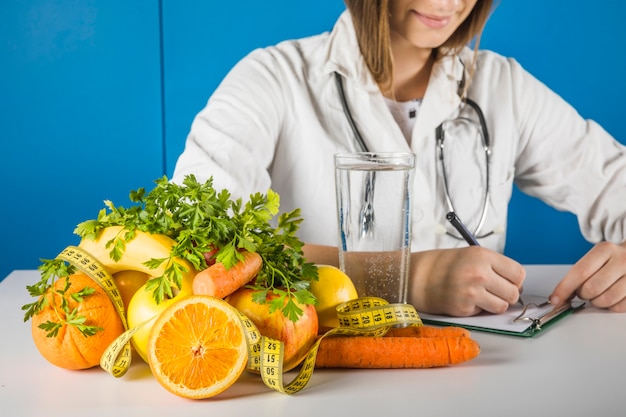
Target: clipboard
519,320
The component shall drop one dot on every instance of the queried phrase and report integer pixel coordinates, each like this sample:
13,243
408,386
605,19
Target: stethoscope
440,137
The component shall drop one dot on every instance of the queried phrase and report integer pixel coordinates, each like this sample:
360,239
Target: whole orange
71,349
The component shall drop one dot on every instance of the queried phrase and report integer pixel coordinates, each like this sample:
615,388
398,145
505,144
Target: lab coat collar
344,55
441,98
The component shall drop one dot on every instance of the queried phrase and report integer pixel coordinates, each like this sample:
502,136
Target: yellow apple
142,307
298,337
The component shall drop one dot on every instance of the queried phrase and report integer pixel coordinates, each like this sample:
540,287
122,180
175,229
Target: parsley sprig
58,300
201,220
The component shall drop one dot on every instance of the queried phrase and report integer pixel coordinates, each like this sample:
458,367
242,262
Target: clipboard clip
537,322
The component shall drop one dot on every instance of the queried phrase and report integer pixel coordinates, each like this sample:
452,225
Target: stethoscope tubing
348,113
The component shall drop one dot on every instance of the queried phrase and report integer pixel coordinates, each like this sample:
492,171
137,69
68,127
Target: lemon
333,288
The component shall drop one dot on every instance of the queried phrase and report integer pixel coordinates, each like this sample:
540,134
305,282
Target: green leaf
157,286
80,295
259,295
278,303
51,270
88,229
304,296
74,319
51,328
155,263
291,310
228,255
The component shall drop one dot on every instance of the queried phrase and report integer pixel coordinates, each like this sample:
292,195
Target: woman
408,77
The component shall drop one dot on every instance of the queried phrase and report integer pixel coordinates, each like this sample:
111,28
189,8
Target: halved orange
197,347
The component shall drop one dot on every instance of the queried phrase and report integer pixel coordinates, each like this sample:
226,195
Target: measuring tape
367,316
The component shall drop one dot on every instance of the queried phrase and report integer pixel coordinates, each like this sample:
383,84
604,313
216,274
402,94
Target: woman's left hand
598,277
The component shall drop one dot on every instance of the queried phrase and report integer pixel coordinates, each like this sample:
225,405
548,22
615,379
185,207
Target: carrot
394,352
219,282
427,331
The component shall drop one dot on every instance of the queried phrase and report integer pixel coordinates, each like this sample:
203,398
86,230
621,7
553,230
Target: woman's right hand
464,281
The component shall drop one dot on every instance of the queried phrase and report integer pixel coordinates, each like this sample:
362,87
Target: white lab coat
276,121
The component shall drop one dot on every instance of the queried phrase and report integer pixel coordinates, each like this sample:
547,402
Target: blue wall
80,117
96,98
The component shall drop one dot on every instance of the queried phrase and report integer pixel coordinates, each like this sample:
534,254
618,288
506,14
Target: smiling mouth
432,21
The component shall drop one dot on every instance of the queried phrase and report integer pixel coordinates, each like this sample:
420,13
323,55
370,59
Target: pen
458,225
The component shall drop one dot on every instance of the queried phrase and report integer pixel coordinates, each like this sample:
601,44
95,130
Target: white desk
576,368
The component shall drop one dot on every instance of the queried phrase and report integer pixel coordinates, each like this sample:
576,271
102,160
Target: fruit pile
175,245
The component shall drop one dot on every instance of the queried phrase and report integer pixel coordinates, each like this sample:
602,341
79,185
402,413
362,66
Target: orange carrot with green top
394,352
218,281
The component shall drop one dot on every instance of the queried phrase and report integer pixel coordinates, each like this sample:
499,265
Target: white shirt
276,121
405,114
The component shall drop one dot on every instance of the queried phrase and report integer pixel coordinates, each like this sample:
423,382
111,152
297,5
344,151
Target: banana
142,248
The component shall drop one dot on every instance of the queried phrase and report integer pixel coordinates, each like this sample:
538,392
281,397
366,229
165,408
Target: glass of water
374,197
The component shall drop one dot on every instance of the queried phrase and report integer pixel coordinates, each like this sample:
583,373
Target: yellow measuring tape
368,316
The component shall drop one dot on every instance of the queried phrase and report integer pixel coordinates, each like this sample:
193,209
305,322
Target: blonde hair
371,23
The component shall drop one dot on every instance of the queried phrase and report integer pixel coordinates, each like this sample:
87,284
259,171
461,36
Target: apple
298,337
142,307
